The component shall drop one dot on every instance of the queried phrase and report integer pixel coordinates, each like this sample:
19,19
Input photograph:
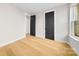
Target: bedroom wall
61,23
40,25
27,20
12,24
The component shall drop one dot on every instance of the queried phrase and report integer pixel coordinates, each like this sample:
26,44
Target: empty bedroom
39,29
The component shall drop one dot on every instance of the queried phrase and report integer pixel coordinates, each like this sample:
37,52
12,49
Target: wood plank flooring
35,46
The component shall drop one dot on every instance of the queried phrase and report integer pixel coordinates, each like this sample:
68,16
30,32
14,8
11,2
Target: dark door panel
49,25
32,25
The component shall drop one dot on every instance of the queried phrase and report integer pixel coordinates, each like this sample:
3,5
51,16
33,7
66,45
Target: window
74,20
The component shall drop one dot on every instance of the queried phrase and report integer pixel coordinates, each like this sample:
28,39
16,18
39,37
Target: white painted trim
13,41
74,37
71,45
72,48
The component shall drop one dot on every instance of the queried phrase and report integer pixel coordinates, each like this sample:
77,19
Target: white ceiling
34,8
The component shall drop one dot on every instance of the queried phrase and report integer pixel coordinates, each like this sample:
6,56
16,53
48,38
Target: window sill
74,37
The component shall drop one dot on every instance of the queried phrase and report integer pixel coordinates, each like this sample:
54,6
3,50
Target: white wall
27,17
12,24
40,25
61,23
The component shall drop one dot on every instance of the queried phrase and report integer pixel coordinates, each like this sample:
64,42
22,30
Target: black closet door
32,25
49,25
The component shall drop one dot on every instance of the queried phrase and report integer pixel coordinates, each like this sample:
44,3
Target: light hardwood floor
35,46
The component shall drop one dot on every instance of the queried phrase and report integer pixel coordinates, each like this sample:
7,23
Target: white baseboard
12,41
72,48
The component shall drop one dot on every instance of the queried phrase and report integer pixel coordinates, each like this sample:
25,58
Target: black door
49,25
32,25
